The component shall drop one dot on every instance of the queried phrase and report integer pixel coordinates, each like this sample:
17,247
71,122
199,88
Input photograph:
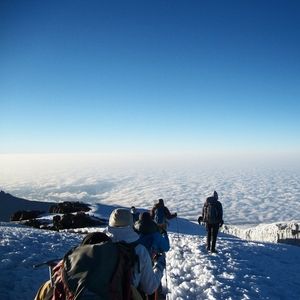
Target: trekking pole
50,263
166,275
177,226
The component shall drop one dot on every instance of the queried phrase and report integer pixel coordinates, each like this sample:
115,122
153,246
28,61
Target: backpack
99,271
212,213
159,215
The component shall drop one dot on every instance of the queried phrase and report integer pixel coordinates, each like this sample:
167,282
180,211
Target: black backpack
212,214
99,271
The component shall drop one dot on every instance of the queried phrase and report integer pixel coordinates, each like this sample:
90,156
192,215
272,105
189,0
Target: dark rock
33,223
25,215
78,220
68,207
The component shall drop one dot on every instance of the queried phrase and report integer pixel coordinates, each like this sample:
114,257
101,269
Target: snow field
240,270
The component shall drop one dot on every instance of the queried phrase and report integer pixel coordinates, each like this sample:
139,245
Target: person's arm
168,214
221,214
203,213
221,210
162,241
150,277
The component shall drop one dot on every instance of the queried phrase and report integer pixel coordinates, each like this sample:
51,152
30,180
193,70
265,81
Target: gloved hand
200,220
163,231
175,214
221,223
160,262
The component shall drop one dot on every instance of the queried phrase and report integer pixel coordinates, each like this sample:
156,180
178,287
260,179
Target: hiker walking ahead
160,214
154,241
146,277
212,213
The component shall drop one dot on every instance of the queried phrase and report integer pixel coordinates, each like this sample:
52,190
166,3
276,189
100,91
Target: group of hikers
130,252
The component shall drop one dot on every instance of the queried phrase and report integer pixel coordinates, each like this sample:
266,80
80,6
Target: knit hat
120,217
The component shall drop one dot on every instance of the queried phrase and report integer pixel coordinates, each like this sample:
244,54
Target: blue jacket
150,237
155,242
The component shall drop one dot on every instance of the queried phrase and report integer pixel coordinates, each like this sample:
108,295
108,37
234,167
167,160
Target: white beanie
120,217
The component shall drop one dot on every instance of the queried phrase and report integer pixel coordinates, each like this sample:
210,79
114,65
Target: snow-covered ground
240,270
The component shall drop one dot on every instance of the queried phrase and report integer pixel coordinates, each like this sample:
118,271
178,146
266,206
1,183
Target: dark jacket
167,214
217,207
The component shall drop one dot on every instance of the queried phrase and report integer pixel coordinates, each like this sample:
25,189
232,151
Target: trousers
212,233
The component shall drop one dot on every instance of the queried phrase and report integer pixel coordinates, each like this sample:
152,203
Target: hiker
145,276
134,213
155,242
160,214
212,214
104,267
150,235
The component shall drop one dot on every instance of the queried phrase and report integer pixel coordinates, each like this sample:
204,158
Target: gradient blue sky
149,76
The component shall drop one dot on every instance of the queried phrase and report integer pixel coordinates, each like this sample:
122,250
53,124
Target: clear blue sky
149,76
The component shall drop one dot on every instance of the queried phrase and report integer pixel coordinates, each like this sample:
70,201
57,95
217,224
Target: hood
126,234
211,199
145,227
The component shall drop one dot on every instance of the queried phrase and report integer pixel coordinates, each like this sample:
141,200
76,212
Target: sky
184,77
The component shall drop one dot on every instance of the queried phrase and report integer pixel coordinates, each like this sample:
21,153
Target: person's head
216,195
120,226
160,201
145,224
120,217
145,216
133,210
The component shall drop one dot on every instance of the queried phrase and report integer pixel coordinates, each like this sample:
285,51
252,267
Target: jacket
219,210
151,238
167,214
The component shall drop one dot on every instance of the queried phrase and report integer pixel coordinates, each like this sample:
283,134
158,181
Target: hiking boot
214,251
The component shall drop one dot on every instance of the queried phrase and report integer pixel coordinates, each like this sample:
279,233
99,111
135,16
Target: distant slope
10,204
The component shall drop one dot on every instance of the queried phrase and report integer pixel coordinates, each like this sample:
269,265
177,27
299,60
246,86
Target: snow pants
212,233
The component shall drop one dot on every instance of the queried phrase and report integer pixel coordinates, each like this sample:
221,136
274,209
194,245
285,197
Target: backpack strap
126,261
136,258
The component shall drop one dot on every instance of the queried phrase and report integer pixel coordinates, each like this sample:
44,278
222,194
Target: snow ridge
282,232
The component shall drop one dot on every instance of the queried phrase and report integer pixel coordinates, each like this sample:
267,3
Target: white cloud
250,195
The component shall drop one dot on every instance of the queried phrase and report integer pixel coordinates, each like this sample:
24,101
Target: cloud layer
250,195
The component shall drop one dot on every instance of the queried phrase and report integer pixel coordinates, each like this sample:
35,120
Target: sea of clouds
250,193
